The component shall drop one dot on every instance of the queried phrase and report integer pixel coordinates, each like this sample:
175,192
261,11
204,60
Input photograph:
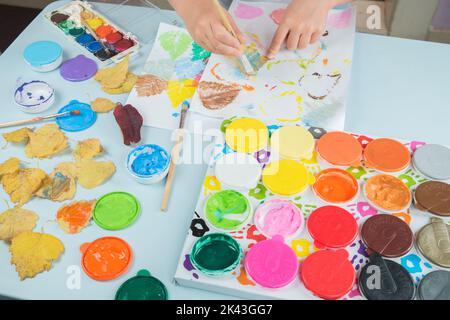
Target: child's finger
304,40
277,41
315,37
293,39
219,47
224,36
238,32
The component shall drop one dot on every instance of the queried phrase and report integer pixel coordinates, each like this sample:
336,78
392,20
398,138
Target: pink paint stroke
245,11
340,20
277,15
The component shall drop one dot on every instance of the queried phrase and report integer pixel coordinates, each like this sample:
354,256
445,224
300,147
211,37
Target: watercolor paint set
101,38
290,212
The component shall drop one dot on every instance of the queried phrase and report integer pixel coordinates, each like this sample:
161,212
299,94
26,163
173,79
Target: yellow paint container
293,142
247,135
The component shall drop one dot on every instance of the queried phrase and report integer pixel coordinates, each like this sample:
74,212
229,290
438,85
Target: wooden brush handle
173,164
226,22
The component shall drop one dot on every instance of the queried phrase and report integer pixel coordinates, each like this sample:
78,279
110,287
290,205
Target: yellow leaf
59,186
46,142
22,185
103,105
12,165
113,77
72,218
15,221
92,173
178,91
18,136
87,149
33,253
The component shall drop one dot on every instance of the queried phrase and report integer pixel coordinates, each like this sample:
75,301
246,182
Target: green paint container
142,287
227,210
75,32
66,26
116,210
216,254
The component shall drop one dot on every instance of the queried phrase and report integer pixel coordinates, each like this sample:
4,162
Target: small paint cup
387,156
238,170
216,254
432,161
142,286
227,210
247,135
292,142
391,187
279,217
148,164
34,96
338,148
43,56
336,186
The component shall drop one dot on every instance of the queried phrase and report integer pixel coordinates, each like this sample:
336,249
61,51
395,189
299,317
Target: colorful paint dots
387,193
279,217
328,274
292,142
433,161
339,149
123,45
396,282
335,185
238,170
433,197
80,122
84,39
104,31
286,177
116,211
142,287
386,155
114,37
387,235
247,135
216,254
271,263
106,258
332,227
433,242
435,286
227,210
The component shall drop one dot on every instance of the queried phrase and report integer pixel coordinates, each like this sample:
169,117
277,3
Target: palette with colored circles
302,213
100,38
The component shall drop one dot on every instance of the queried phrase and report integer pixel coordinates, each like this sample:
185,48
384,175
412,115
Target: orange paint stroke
75,216
325,61
213,72
406,217
243,278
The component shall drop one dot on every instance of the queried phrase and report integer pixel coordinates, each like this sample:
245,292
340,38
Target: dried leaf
33,253
150,85
103,105
113,77
87,149
130,122
46,142
59,186
15,221
126,87
18,136
216,95
92,173
22,185
72,218
67,168
12,165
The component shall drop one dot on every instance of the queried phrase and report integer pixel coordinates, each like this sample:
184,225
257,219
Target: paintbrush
175,155
243,58
39,119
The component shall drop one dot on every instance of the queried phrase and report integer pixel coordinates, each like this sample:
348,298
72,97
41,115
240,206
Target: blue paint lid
42,52
74,123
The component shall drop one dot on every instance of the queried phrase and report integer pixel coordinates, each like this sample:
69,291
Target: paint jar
434,286
292,142
433,243
387,193
387,156
287,177
34,96
216,254
432,161
43,56
336,186
227,210
433,197
246,135
271,263
339,149
142,286
238,170
148,163
279,217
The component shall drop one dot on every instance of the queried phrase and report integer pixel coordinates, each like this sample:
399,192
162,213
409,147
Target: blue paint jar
94,46
148,163
43,56
85,39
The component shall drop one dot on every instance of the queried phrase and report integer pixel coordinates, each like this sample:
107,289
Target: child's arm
303,23
204,24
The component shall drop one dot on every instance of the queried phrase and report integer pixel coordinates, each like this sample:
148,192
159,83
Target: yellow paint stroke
301,63
298,100
302,247
178,91
211,184
406,217
347,61
289,83
311,161
214,73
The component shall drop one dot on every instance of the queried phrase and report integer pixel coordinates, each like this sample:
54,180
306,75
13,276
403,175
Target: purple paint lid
79,68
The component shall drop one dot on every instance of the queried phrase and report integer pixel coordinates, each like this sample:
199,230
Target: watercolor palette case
249,232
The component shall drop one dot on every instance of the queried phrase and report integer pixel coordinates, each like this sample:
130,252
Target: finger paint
286,177
335,185
386,155
292,142
388,193
75,216
340,149
227,210
216,254
271,263
279,217
247,135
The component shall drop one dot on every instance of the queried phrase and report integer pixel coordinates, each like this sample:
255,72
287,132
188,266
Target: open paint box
104,31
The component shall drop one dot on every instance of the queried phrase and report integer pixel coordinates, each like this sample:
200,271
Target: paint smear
340,20
198,53
150,85
72,218
277,15
388,192
175,43
185,68
319,86
216,95
181,90
214,73
245,11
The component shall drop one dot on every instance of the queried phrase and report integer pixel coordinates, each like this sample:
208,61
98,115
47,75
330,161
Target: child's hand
205,26
303,23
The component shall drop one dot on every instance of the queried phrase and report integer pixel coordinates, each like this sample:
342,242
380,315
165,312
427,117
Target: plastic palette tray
238,284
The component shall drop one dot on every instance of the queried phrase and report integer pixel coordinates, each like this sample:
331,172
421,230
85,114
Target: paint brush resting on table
38,119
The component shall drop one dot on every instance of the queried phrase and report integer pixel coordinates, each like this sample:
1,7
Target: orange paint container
340,149
386,155
106,258
336,186
104,30
387,193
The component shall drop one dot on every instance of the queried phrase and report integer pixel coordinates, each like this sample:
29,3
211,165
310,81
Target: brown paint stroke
150,85
216,95
336,77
